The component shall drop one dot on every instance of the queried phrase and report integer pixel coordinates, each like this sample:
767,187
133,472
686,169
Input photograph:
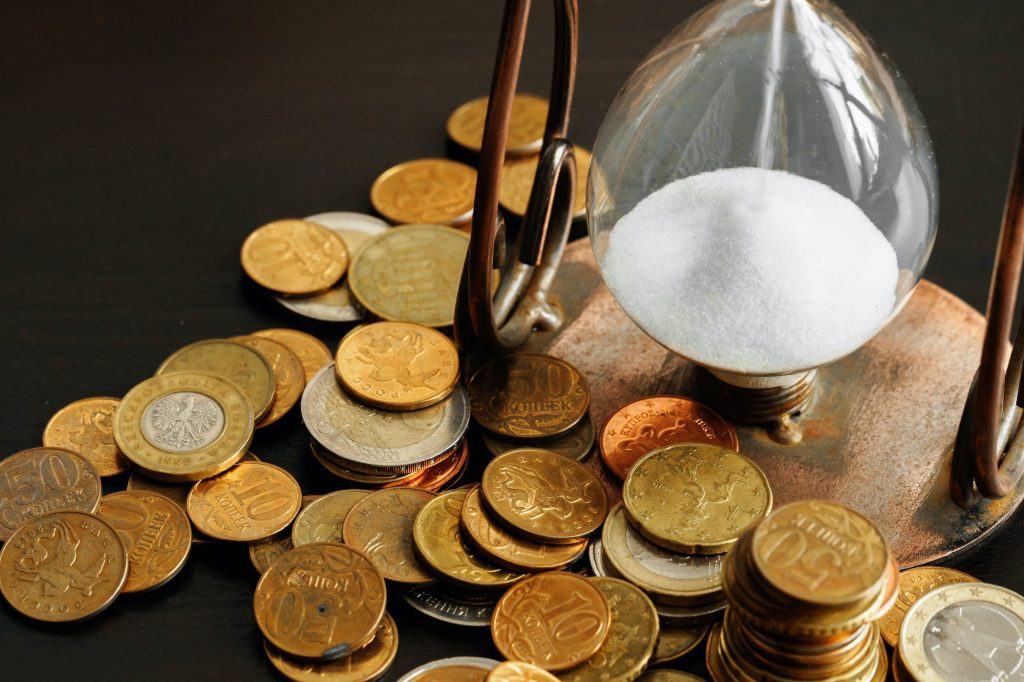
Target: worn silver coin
464,661
437,603
576,444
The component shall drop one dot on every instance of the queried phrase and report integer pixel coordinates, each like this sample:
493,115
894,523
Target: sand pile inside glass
752,270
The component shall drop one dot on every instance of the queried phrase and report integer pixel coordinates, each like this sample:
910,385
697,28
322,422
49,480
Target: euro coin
294,257
517,183
465,126
381,525
323,519
914,583
425,191
368,663
86,427
45,480
249,502
289,376
575,444
517,671
311,351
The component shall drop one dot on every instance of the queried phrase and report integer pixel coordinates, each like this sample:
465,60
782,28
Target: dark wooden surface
142,141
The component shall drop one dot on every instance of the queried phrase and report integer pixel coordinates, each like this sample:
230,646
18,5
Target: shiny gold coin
517,671
311,351
529,115
322,601
397,365
915,583
175,492
666,675
44,480
674,643
265,552
289,375
294,257
517,183
508,550
62,567
381,525
437,191
155,532
245,367
575,444
554,620
249,502
184,426
527,395
695,498
86,427
368,663
411,274
543,496
438,539
323,519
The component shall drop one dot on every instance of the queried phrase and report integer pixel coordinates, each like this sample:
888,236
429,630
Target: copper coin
380,524
311,351
264,553
294,257
439,475
289,375
369,663
425,191
42,480
323,519
248,502
517,671
86,427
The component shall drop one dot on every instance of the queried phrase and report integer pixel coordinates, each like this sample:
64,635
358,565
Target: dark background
142,141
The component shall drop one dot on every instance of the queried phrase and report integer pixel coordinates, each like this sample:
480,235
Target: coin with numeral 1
39,481
249,502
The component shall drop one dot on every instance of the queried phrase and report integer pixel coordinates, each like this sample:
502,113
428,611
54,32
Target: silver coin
685,616
438,604
596,555
575,445
381,441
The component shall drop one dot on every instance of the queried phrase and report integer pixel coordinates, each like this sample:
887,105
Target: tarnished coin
184,426
527,395
294,257
86,427
554,620
517,183
914,583
381,525
366,664
674,643
243,366
411,274
454,669
650,423
321,601
447,607
265,552
311,351
575,444
425,191
465,125
695,498
249,502
517,671
40,481
323,519
289,376
155,532
543,496
62,567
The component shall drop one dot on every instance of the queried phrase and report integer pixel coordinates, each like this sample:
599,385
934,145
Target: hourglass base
877,434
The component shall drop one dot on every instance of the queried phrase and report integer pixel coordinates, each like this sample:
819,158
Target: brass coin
321,601
438,539
575,444
265,552
674,643
437,191
155,532
311,351
184,426
243,366
411,274
527,395
323,520
517,671
543,496
529,115
249,502
554,620
517,177
695,498
61,567
289,375
381,525
40,481
294,257
368,663
86,427
175,492
915,583
397,365
508,550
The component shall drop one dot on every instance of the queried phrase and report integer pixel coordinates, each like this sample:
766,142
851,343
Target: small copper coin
650,423
380,524
86,427
369,663
321,601
525,135
311,351
248,502
294,257
39,481
265,552
437,191
553,620
323,519
289,376
517,671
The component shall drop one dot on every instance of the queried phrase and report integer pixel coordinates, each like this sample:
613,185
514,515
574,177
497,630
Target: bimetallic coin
674,643
40,481
294,257
334,465
381,525
576,444
86,427
527,395
445,473
289,375
249,502
517,183
914,583
465,126
364,665
444,606
62,567
321,602
264,553
425,191
517,671
323,519
454,669
311,351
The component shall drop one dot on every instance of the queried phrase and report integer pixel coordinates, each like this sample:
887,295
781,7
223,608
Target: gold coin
311,351
411,274
184,426
321,601
368,663
528,395
695,498
86,427
425,191
508,550
397,365
323,519
438,539
249,502
294,257
666,675
543,496
381,525
821,553
155,532
289,375
517,671
44,480
915,583
265,552
526,124
674,643
62,567
243,366
575,444
554,620
175,492
517,183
